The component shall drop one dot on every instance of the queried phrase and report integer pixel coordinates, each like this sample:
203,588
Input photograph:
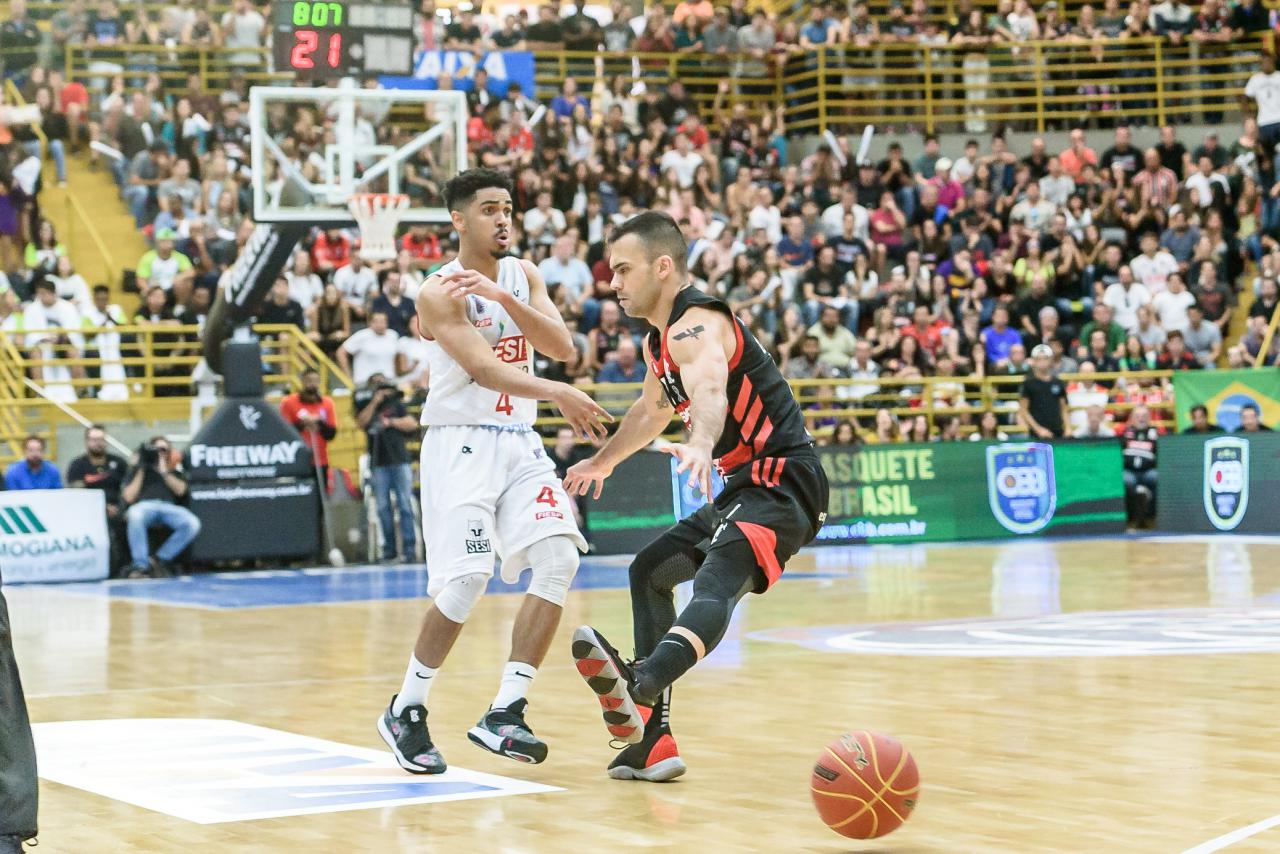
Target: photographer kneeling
154,491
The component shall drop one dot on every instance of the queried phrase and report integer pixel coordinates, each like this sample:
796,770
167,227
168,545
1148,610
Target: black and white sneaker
504,732
410,741
655,759
613,681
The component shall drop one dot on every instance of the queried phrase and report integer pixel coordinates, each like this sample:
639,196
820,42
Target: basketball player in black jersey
743,421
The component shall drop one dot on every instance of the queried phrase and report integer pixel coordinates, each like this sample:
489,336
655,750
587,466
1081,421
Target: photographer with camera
381,413
154,492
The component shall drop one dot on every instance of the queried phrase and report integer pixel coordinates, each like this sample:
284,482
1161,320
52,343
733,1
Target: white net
378,214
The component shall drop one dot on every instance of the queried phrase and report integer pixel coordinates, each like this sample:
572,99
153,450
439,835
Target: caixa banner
1223,483
53,535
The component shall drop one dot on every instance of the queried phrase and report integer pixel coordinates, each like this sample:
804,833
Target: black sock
673,656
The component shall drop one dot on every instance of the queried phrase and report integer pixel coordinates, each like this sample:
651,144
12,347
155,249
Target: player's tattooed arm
692,332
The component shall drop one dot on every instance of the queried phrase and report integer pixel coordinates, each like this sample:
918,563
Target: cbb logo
1021,482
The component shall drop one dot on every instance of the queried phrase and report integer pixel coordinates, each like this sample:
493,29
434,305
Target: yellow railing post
148,368
1159,66
1260,361
67,62
822,89
929,89
202,63
1039,85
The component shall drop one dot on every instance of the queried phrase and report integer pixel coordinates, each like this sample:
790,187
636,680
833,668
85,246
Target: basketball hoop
378,214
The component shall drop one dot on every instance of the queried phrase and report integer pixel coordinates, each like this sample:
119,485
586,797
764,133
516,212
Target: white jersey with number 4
453,397
488,487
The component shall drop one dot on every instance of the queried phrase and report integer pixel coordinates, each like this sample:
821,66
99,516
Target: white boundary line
1235,836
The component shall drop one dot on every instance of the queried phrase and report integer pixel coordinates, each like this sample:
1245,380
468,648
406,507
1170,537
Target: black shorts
776,504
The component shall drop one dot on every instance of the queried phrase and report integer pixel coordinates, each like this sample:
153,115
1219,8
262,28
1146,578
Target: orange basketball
865,785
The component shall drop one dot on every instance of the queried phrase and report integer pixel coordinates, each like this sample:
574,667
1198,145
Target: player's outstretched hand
580,477
696,461
583,414
460,283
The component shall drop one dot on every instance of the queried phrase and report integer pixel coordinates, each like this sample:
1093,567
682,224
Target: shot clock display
331,39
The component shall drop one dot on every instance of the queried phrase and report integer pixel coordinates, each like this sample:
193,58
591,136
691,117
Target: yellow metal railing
158,362
11,394
158,359
826,401
174,65
949,87
1260,360
1035,85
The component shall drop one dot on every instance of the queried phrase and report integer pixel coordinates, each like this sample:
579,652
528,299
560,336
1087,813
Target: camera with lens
392,392
148,456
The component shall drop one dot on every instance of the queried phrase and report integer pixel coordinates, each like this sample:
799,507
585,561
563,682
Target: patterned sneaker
504,732
409,740
613,681
655,759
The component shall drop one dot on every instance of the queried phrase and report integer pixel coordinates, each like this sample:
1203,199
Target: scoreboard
328,40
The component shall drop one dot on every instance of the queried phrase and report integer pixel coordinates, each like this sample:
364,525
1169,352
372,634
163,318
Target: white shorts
488,492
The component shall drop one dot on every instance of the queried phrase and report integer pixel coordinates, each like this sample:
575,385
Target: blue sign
1020,485
504,68
686,499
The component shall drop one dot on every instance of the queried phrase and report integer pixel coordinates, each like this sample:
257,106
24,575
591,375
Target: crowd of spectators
954,263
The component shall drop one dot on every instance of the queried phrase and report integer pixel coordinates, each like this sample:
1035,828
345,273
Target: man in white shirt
411,361
683,159
42,315
1057,186
244,27
543,224
305,287
1124,297
358,283
861,367
1149,332
1201,183
833,217
564,269
1171,305
1033,211
1264,88
1155,265
765,215
1095,425
370,351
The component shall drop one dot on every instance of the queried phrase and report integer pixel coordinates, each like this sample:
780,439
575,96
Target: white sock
417,684
516,679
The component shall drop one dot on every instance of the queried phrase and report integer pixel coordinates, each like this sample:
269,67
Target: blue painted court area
284,587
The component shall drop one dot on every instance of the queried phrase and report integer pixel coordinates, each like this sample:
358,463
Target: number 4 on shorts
546,496
504,404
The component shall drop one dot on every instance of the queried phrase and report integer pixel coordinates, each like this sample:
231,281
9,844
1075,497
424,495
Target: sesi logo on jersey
512,350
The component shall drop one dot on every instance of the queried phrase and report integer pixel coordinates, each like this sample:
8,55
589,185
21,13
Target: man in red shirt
926,331
423,246
313,415
331,250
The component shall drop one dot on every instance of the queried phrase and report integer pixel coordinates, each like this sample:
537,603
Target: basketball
865,785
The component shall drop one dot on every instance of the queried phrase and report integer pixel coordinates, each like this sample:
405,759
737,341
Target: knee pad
458,596
554,563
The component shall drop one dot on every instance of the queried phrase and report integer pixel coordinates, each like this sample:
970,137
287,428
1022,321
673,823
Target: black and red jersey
764,421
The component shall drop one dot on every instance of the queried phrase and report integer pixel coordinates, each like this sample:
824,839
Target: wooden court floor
1066,696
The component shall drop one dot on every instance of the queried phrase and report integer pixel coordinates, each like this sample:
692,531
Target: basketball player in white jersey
488,486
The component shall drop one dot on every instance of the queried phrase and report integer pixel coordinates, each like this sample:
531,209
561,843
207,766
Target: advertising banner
905,493
1218,483
504,68
634,507
972,491
53,535
252,485
1225,392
